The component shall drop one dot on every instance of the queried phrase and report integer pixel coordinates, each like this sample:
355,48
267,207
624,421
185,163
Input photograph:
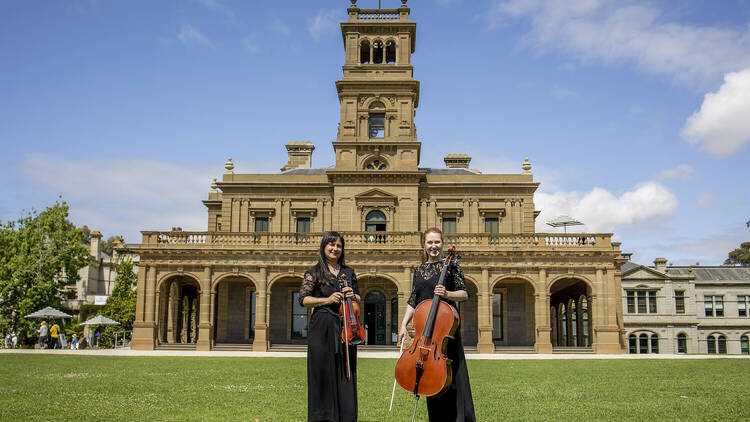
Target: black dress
455,404
330,395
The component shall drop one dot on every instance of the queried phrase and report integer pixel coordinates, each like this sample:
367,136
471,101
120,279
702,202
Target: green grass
49,387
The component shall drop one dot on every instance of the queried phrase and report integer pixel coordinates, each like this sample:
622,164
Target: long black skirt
330,395
454,404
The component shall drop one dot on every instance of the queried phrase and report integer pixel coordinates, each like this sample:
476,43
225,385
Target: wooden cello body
424,369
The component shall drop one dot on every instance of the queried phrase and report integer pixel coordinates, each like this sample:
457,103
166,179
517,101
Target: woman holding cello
331,380
455,402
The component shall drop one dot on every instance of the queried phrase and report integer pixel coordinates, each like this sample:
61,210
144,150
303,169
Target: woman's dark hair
320,272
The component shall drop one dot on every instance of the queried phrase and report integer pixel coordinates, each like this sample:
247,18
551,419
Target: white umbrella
48,313
100,320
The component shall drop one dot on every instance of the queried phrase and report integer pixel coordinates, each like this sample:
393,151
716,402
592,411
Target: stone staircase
572,350
233,347
175,346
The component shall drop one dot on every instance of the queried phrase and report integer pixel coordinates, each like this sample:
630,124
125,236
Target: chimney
457,161
660,264
96,243
299,155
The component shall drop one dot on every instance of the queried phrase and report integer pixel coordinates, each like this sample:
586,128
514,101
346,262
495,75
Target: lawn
48,387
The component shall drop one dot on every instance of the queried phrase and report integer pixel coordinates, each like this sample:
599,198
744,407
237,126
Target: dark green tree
739,256
40,254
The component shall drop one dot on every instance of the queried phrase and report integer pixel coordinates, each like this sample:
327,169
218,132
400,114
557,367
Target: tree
739,256
40,254
121,303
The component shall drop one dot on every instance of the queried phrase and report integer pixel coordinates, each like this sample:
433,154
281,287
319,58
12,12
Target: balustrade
374,15
462,241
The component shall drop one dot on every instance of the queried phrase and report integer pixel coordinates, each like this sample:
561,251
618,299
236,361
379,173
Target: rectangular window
642,302
491,225
299,318
261,224
631,302
303,224
497,316
742,305
652,302
679,302
714,306
377,125
449,225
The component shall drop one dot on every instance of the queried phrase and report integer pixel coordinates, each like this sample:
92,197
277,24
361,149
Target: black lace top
426,277
325,288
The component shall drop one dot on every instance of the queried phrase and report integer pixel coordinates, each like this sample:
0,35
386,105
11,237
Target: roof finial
354,3
403,2
229,166
526,166
214,186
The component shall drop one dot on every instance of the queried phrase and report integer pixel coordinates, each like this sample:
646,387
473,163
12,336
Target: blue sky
635,115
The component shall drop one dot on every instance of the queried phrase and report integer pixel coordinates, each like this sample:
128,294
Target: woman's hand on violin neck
348,292
336,297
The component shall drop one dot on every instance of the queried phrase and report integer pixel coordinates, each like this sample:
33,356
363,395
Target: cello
424,369
352,333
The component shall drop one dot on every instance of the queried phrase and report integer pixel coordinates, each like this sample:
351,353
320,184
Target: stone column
205,319
543,342
260,343
144,331
484,314
140,304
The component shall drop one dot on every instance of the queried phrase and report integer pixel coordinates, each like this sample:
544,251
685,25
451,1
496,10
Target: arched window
390,52
585,324
744,345
563,326
376,165
655,343
364,52
722,345
375,221
643,343
573,323
681,343
711,343
632,344
377,52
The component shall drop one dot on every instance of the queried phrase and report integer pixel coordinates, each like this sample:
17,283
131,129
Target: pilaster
260,343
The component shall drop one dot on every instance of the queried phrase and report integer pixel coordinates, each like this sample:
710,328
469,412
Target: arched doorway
234,310
570,314
513,316
375,317
379,309
287,319
179,310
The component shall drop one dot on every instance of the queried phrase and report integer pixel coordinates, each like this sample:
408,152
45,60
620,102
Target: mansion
235,285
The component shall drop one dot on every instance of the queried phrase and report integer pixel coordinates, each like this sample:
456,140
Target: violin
352,333
424,369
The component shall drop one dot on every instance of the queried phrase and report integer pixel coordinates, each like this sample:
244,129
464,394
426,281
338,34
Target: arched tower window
390,52
376,165
375,221
377,120
364,52
377,52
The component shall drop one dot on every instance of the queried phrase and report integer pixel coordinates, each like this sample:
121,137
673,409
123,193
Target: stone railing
378,240
376,15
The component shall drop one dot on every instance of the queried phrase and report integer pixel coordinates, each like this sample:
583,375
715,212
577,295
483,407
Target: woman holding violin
455,402
331,380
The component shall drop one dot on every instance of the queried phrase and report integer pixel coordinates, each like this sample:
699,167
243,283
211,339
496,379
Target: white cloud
251,43
704,200
682,172
216,6
323,22
613,32
123,195
278,26
722,125
563,93
191,36
602,211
